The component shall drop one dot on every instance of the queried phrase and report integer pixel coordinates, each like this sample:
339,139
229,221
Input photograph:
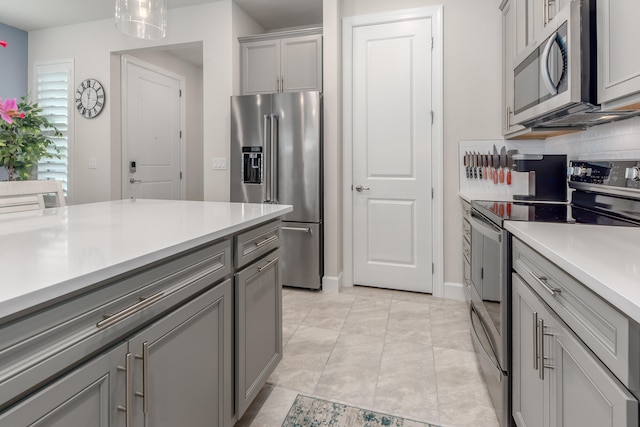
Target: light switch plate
93,163
219,163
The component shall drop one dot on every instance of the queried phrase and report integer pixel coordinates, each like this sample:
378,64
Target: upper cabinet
533,17
288,61
508,57
618,61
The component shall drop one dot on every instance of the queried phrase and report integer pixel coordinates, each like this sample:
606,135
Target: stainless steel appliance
276,157
605,193
555,82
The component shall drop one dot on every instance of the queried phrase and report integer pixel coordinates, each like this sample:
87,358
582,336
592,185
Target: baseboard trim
454,291
331,284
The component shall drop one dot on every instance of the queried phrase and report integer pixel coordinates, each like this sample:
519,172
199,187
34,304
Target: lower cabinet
182,365
258,296
174,372
557,380
89,396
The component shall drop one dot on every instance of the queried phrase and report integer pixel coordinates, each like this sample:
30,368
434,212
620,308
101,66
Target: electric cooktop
606,192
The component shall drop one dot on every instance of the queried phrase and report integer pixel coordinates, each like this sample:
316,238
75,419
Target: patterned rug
311,412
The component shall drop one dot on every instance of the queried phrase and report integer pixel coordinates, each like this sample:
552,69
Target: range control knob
632,173
578,171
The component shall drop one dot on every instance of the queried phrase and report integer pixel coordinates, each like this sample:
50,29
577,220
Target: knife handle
495,176
509,177
501,175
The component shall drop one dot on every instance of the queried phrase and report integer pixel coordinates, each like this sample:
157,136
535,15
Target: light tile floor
396,352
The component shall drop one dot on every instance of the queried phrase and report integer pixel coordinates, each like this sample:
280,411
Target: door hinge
433,268
180,90
180,174
432,117
180,134
432,193
431,42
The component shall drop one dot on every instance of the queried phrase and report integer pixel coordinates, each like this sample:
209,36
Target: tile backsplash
611,141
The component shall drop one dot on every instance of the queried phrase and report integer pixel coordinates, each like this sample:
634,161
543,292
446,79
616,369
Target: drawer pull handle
267,265
543,282
541,349
143,303
266,241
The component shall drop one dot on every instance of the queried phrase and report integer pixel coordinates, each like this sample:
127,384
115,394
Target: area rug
311,412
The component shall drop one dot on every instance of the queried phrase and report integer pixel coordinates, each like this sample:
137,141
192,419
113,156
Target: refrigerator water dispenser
252,165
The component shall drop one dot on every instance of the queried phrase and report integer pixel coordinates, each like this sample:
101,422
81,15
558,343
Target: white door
151,133
392,221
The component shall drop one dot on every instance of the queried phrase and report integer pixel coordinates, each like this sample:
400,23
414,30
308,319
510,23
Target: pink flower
3,43
8,110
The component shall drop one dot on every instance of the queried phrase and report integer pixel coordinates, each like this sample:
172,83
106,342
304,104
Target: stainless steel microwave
557,78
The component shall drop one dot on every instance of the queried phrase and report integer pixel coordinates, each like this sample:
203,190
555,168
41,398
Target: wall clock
90,98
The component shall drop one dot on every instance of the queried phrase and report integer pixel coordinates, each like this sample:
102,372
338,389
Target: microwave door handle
544,64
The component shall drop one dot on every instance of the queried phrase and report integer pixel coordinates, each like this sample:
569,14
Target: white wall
208,23
472,91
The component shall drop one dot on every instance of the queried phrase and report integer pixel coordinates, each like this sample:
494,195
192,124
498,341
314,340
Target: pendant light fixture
144,19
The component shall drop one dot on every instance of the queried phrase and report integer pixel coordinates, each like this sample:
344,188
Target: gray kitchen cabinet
258,314
281,62
618,63
557,378
508,9
530,397
183,365
466,249
88,396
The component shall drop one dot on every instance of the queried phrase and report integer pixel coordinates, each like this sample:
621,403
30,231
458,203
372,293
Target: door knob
360,188
132,181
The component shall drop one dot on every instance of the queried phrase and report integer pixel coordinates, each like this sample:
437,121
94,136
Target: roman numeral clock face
90,98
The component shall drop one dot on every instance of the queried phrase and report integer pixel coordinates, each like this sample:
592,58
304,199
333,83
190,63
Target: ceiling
31,15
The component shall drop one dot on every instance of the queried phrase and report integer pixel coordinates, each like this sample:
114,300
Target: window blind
53,92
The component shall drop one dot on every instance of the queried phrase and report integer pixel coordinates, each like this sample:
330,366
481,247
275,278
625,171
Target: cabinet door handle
267,265
128,408
541,348
535,341
266,241
145,377
110,319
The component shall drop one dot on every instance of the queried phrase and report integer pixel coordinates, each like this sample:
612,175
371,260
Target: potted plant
25,137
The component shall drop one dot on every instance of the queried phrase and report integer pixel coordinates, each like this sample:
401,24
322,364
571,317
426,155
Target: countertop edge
627,305
29,302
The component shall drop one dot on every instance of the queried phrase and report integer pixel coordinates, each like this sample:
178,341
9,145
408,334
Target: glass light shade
144,19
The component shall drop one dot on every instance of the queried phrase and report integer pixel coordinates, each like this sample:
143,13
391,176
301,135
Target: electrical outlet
219,163
92,163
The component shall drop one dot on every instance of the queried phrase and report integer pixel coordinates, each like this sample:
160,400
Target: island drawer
252,244
53,339
613,337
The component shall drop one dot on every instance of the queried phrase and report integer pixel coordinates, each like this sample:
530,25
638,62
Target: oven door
489,282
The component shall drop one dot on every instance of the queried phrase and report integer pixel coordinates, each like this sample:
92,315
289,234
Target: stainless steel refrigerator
276,157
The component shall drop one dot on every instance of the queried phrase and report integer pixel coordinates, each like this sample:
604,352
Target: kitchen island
138,312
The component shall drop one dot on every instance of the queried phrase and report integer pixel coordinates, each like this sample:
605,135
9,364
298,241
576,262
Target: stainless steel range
605,193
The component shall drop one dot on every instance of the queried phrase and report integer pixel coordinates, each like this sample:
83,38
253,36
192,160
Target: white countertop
51,253
604,258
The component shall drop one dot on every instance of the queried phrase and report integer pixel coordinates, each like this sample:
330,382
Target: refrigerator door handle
274,158
305,229
267,132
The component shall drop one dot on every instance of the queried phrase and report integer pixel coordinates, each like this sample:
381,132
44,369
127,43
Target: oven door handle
489,231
